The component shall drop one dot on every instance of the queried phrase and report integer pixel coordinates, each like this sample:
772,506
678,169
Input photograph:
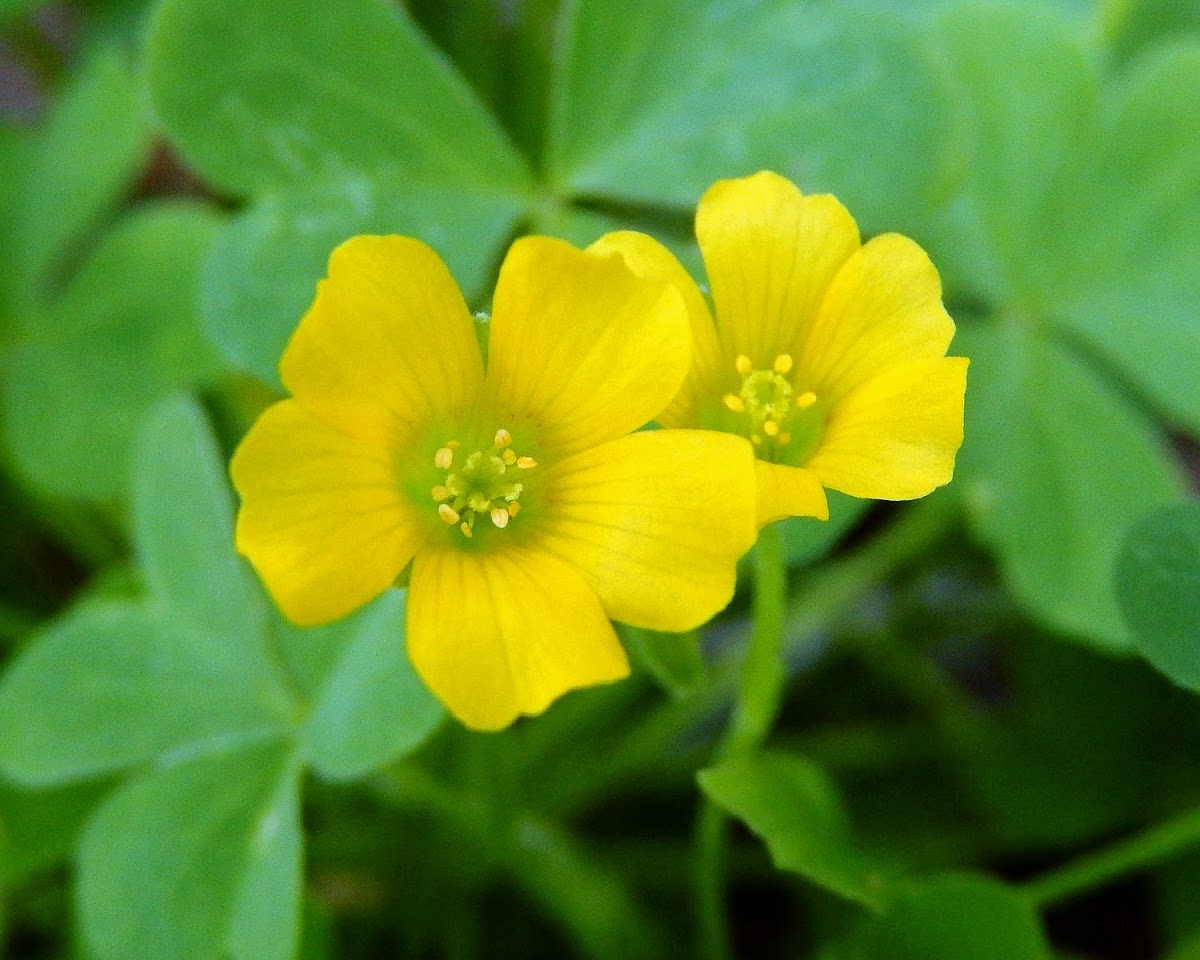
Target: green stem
760,690
1146,849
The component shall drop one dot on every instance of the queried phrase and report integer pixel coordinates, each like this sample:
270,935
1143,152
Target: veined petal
884,307
770,253
500,633
388,342
656,522
322,518
895,437
646,257
581,347
785,491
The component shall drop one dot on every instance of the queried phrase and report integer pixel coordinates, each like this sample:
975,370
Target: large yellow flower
529,511
827,353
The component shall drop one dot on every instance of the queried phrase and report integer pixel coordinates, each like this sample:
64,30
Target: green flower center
783,425
480,484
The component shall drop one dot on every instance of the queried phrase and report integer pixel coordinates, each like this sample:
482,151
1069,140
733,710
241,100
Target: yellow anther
453,444
500,517
806,400
466,529
441,492
783,364
444,458
784,439
447,513
734,402
514,508
503,438
509,457
770,428
755,439
743,365
526,463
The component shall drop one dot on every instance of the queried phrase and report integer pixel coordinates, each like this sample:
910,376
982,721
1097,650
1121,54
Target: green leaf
264,266
140,685
164,864
806,539
793,806
38,828
1126,227
183,527
954,917
1028,92
95,142
674,660
369,707
1158,583
1134,24
123,335
655,101
1053,464
281,91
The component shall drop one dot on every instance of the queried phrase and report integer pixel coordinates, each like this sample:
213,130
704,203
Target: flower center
482,483
776,414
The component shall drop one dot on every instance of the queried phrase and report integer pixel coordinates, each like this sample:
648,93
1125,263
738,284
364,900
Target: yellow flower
827,353
529,511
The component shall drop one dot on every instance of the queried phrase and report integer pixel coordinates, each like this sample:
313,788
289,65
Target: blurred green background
991,739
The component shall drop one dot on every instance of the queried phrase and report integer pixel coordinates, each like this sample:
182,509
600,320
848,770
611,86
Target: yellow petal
387,344
580,347
656,522
770,253
895,437
322,519
501,633
788,492
647,257
884,307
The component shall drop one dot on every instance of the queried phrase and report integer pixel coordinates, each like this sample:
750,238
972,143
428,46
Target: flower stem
1150,847
759,692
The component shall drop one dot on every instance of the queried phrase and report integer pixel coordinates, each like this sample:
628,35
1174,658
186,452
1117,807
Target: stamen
783,364
743,365
526,463
466,529
734,402
514,508
447,513
479,483
509,457
784,439
453,444
500,517
755,439
441,492
770,428
806,400
444,458
503,438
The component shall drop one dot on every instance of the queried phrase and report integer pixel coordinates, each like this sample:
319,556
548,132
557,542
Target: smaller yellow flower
828,354
529,511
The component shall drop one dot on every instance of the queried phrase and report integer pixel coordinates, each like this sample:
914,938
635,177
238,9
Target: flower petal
884,307
895,437
785,491
656,522
388,342
770,253
646,257
322,519
500,633
580,346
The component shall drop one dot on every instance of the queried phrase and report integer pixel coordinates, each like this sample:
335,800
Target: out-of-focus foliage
984,688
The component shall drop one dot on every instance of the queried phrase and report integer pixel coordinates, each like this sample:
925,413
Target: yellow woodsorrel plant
827,353
529,511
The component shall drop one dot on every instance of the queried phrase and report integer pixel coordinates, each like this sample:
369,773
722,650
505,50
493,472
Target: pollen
480,484
743,365
770,428
806,400
783,364
734,402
